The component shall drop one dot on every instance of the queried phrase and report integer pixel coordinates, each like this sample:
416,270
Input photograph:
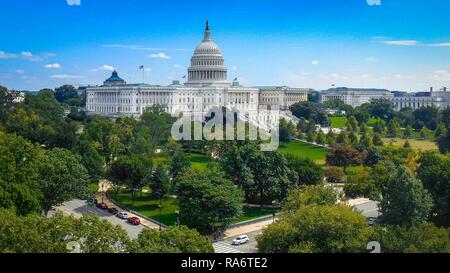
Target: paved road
77,207
225,246
369,209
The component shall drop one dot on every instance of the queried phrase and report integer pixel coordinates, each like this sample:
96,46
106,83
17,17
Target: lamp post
273,212
160,208
178,218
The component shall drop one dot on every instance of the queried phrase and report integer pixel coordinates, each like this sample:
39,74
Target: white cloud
441,45
52,66
20,71
145,48
4,55
177,65
160,55
73,2
314,62
402,42
106,68
371,59
29,56
65,76
147,69
234,68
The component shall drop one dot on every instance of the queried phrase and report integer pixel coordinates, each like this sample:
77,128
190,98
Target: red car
102,206
134,221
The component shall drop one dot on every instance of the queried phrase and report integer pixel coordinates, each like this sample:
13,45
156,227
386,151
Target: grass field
198,161
338,122
305,150
422,145
148,206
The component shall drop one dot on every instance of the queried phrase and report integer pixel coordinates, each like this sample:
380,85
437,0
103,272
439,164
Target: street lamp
178,218
160,214
274,202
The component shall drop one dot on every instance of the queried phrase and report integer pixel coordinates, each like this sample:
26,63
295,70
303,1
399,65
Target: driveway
77,207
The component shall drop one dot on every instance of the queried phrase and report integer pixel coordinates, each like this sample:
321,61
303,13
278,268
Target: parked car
371,221
241,239
102,206
92,200
113,211
122,215
134,221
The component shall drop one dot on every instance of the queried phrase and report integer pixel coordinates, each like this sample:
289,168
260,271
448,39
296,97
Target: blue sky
400,44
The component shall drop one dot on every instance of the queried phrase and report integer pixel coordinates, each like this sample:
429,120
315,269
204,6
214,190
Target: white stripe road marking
221,247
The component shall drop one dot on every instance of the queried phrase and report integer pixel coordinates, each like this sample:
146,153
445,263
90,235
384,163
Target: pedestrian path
223,247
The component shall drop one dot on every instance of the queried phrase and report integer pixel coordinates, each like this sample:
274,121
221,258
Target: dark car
102,206
134,221
113,211
92,200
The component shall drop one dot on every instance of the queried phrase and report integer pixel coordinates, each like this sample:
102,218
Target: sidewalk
235,231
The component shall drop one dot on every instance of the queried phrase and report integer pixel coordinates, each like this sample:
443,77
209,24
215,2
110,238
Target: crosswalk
223,247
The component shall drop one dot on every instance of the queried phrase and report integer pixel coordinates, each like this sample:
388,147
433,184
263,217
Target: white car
122,215
241,239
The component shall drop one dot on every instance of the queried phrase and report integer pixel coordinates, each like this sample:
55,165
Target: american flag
141,67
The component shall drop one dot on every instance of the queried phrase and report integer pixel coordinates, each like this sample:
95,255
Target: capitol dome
207,63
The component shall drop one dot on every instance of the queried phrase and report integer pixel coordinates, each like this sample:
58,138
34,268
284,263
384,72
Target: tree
352,125
65,93
208,200
133,172
407,144
19,164
180,163
405,201
5,103
286,130
379,126
426,116
434,172
160,182
171,240
393,128
318,229
440,131
319,195
360,184
320,139
444,141
310,111
381,108
425,133
366,141
423,238
307,172
62,177
342,139
37,234
310,137
353,138
91,159
344,156
408,132
331,138
157,123
334,174
377,140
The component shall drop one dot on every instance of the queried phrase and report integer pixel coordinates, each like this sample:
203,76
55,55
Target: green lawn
338,122
198,161
148,206
301,149
253,213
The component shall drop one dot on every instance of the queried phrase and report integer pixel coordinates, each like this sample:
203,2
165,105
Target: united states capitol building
207,87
